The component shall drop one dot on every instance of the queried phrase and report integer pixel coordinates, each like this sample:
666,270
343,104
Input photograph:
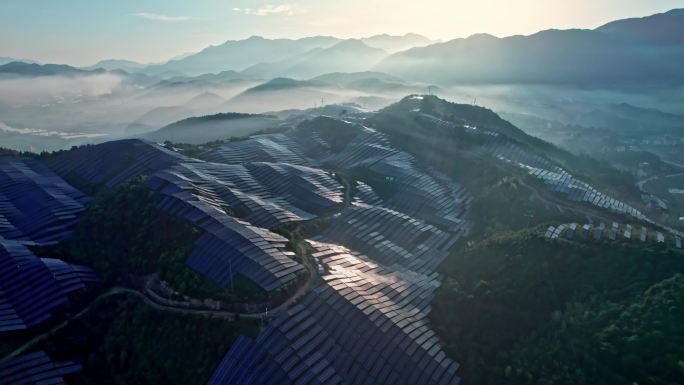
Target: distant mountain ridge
646,51
394,44
634,52
18,68
117,64
239,55
662,28
348,55
5,60
202,129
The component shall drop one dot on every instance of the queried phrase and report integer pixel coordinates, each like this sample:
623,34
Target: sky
82,32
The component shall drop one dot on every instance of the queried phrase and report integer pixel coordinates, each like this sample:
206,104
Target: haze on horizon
80,32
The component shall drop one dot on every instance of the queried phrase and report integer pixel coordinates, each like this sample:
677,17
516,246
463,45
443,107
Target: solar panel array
31,287
418,191
260,148
616,232
264,194
367,322
423,193
311,189
35,369
230,246
364,325
367,148
113,163
554,177
35,204
392,238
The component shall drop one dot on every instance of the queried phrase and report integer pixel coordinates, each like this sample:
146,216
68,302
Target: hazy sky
81,32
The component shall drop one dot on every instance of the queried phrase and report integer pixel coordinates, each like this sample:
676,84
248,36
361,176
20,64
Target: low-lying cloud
268,9
41,132
159,17
55,89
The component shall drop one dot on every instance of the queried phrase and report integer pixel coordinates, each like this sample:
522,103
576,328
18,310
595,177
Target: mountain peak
482,36
353,44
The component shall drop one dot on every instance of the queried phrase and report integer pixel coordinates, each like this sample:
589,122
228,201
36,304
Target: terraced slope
390,211
416,190
234,204
366,322
37,207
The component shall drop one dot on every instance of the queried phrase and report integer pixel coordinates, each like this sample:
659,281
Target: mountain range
644,51
634,51
256,53
20,68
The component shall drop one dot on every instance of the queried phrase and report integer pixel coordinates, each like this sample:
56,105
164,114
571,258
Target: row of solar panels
113,163
506,149
364,325
230,246
426,195
35,204
364,194
265,194
260,148
366,148
391,237
31,287
557,179
616,232
577,190
35,369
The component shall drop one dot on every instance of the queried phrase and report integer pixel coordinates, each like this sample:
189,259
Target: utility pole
230,267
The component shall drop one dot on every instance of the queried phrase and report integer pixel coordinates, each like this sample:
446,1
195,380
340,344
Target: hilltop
198,130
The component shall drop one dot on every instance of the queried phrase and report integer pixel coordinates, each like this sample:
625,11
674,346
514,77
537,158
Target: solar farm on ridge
358,299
